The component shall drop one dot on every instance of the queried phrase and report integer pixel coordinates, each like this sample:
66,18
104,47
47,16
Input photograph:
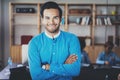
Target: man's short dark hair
109,43
49,5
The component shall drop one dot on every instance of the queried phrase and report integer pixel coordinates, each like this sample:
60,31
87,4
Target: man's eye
46,17
56,17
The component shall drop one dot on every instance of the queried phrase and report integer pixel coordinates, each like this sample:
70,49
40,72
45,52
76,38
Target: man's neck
52,35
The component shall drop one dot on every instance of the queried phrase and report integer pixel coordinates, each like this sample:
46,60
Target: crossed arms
70,66
72,58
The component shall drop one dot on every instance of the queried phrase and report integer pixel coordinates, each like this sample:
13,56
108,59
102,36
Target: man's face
108,49
51,20
118,76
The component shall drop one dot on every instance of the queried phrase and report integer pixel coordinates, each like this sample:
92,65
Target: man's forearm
46,67
72,58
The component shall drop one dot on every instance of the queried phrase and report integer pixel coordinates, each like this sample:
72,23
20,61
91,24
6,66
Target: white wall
0,28
71,1
5,17
1,34
5,29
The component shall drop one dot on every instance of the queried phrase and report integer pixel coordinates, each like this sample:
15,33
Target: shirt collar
55,36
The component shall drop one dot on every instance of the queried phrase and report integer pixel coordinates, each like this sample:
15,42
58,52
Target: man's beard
54,31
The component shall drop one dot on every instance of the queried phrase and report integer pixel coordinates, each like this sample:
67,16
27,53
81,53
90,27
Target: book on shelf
85,20
25,39
99,21
109,21
103,21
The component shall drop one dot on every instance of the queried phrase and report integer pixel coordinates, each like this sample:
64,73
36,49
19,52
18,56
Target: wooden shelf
27,25
91,28
23,3
106,15
25,14
104,25
66,14
75,24
79,14
107,5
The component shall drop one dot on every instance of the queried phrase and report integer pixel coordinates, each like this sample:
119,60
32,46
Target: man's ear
42,19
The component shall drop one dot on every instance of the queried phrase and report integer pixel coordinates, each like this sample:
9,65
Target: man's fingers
72,58
73,55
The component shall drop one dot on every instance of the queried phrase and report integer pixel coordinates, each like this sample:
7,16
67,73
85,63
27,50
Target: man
53,54
84,55
108,57
118,76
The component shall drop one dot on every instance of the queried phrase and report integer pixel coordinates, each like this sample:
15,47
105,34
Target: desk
98,73
4,74
87,73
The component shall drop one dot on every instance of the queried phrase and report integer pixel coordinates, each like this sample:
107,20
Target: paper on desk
116,67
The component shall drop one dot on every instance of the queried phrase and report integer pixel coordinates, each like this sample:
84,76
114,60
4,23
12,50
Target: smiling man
54,54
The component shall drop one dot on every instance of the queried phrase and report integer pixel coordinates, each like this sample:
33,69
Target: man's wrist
43,66
46,67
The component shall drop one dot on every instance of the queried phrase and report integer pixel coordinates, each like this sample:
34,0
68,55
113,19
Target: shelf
116,23
103,25
99,44
77,4
25,14
79,14
23,3
74,15
75,24
106,15
107,5
27,25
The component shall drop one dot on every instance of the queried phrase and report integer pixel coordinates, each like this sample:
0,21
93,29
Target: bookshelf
80,20
22,23
84,20
107,18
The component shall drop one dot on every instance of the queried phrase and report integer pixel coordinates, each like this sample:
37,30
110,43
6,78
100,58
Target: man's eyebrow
56,16
46,16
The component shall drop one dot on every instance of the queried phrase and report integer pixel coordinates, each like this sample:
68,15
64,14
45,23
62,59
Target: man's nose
51,21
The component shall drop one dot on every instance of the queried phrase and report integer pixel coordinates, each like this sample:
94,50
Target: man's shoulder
68,34
37,37
102,53
113,53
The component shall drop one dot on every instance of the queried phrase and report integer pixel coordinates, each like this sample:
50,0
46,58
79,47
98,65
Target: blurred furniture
98,72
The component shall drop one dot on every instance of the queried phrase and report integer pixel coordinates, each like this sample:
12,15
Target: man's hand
72,58
47,67
106,63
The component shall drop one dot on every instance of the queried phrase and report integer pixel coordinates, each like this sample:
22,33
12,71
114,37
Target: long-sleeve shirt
112,58
43,49
84,58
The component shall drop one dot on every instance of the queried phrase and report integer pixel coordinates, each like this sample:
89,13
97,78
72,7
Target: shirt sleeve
117,58
69,69
87,58
99,61
36,71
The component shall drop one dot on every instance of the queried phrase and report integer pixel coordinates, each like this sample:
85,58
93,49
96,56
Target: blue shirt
43,49
84,58
104,57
